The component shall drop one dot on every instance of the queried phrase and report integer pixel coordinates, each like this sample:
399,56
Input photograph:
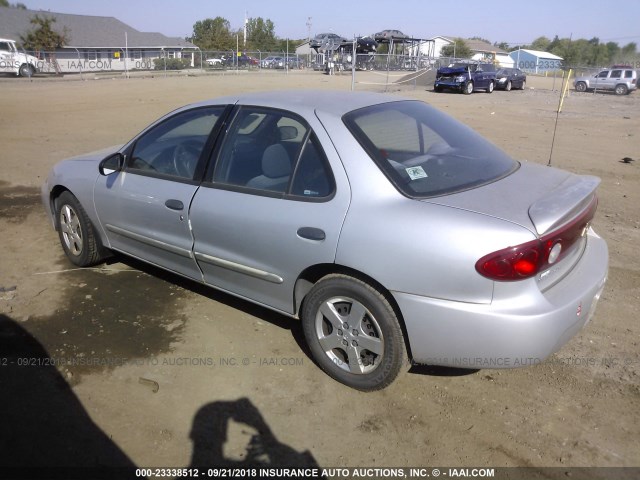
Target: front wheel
468,88
524,85
76,232
26,70
353,332
508,87
490,87
581,87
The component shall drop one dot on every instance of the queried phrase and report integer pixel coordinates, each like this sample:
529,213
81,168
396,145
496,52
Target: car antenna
563,93
563,90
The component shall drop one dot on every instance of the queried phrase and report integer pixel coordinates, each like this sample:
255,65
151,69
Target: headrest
275,162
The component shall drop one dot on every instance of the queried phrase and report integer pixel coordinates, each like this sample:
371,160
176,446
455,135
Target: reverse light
526,260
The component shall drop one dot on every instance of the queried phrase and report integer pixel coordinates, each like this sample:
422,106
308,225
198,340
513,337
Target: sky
514,22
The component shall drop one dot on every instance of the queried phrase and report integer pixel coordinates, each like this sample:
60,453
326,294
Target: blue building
535,61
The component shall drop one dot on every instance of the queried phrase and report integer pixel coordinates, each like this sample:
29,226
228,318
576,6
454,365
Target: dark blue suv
466,77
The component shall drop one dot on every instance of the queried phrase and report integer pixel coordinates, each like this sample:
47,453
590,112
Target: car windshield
424,152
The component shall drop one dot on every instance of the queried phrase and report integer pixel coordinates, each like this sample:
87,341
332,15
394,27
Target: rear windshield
423,151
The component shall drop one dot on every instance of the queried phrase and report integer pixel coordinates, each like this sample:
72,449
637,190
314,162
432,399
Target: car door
600,81
273,206
143,209
614,79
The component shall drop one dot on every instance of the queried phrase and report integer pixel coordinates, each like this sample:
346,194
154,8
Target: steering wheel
185,158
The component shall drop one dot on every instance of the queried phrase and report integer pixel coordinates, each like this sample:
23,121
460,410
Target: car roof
307,101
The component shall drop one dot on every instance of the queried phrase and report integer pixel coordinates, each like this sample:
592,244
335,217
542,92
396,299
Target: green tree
5,3
502,46
481,39
629,49
541,44
459,49
43,36
261,35
213,34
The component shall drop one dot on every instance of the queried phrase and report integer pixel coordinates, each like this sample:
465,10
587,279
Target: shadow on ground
47,433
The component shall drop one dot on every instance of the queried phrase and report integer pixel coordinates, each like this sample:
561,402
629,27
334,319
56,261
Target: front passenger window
174,146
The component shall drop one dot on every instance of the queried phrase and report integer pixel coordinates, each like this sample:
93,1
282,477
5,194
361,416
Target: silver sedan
394,233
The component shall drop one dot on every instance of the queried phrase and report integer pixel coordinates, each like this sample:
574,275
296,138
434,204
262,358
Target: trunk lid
556,206
535,197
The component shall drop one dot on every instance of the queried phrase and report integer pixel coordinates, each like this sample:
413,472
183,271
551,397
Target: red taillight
526,260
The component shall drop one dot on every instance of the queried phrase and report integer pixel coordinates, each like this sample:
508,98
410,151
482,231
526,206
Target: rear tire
468,88
524,85
490,87
508,87
621,89
353,332
76,232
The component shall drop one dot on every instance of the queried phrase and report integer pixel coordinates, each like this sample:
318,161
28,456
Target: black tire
467,89
326,314
26,70
524,85
621,89
581,87
508,86
490,87
76,232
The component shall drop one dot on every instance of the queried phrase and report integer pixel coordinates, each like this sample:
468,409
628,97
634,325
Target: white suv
621,79
13,61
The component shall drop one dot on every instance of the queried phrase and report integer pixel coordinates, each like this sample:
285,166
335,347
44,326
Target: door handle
311,233
174,204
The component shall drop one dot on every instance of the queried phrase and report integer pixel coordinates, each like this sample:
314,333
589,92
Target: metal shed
536,61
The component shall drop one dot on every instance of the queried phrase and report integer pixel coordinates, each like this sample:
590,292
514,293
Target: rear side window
273,152
424,152
628,74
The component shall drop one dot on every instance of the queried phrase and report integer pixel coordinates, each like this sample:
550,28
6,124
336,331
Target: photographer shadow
233,434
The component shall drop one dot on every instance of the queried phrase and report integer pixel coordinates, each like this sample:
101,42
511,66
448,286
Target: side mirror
113,163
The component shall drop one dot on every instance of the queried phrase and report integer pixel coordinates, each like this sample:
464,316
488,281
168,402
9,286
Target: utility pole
246,20
309,38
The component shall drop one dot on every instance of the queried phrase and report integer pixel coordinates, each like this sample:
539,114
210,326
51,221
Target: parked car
508,78
327,41
14,61
215,62
466,77
295,62
366,45
383,224
387,35
272,62
621,80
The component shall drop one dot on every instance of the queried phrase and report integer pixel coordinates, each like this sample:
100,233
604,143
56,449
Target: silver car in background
391,230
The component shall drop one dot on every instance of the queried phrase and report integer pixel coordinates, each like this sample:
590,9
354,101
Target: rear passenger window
616,74
273,152
312,178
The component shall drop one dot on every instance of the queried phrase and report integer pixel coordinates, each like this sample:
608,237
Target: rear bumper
517,329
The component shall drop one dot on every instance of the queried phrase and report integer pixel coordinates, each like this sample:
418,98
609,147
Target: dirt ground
183,369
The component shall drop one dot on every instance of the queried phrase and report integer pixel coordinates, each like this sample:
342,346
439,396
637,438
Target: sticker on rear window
416,172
